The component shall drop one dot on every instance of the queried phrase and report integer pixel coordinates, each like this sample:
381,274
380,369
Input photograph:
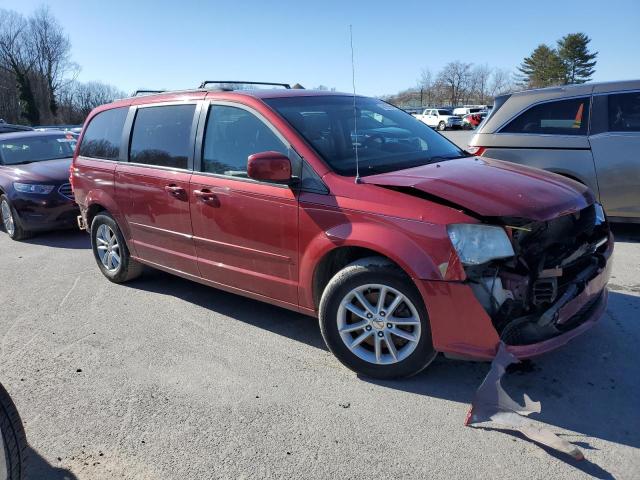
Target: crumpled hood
44,171
493,188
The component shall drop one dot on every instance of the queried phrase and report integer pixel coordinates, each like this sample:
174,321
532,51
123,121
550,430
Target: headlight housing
33,188
600,215
477,244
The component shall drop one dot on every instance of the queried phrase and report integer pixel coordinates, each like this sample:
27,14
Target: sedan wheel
378,324
7,218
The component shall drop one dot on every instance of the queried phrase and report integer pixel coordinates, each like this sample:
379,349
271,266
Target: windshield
445,112
39,148
387,138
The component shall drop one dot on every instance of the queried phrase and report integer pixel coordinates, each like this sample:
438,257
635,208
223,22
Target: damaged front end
554,280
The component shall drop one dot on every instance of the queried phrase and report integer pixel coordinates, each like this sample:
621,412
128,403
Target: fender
102,198
387,240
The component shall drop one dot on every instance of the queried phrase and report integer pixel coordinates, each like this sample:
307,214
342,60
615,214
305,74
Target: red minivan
347,209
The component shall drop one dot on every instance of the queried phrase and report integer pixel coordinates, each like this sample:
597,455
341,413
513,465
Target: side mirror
269,166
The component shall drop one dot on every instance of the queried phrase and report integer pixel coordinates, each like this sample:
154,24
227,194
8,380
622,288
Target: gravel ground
167,379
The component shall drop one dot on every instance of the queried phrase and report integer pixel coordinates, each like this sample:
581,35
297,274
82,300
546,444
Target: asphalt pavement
167,379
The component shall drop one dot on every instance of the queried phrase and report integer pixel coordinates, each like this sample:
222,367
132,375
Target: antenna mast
355,111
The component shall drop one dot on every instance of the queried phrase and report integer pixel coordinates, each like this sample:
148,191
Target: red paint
269,166
266,240
494,188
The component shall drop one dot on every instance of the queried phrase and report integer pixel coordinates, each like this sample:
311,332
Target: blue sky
177,44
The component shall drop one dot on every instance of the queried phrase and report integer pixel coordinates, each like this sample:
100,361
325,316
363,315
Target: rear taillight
478,151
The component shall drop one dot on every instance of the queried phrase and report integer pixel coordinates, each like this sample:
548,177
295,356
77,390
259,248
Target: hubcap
108,248
7,218
378,324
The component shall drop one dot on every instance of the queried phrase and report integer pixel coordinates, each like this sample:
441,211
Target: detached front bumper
461,327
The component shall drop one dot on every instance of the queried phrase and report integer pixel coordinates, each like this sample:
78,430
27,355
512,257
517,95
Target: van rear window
563,117
103,135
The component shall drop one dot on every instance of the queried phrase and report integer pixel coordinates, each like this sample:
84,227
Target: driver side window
231,135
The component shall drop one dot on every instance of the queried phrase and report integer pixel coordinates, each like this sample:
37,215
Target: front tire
374,321
13,442
442,126
10,221
110,250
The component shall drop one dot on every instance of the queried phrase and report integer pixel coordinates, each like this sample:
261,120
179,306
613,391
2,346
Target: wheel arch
327,254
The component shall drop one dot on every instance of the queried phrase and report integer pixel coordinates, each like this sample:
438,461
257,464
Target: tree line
38,83
459,83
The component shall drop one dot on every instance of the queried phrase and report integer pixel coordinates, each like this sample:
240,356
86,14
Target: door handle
174,190
206,195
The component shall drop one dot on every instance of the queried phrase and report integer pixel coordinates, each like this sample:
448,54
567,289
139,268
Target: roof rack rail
146,92
207,82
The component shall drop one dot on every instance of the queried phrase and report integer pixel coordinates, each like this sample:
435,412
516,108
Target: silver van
588,132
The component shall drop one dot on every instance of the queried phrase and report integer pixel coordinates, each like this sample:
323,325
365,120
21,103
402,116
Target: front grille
66,191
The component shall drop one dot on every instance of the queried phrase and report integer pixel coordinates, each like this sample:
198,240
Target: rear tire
110,250
442,126
13,440
374,356
10,221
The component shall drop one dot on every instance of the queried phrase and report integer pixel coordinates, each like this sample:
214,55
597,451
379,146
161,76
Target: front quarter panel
423,250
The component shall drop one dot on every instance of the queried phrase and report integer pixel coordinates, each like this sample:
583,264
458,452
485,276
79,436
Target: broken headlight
477,244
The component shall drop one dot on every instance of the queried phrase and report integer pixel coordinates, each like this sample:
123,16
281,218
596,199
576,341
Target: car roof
31,133
519,101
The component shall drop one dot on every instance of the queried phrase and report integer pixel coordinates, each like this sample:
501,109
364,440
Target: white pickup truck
439,118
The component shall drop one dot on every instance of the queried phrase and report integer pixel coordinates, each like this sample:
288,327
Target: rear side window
624,112
103,135
161,136
232,134
564,117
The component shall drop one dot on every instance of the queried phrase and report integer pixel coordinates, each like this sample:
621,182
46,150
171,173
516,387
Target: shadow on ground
68,239
37,468
262,315
575,384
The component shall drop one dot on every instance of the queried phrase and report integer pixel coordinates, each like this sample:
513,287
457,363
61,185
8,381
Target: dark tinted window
37,148
564,117
232,134
624,112
103,135
161,135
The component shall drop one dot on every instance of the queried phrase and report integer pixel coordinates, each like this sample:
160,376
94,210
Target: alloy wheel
7,218
108,248
378,324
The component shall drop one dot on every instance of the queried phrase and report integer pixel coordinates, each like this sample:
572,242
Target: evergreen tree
542,68
578,62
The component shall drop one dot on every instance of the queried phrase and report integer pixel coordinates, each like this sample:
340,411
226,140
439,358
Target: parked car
399,242
589,133
35,193
472,120
440,118
462,111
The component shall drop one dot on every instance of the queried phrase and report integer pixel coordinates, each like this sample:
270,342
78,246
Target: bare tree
52,51
455,80
87,96
480,82
17,57
426,85
501,82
